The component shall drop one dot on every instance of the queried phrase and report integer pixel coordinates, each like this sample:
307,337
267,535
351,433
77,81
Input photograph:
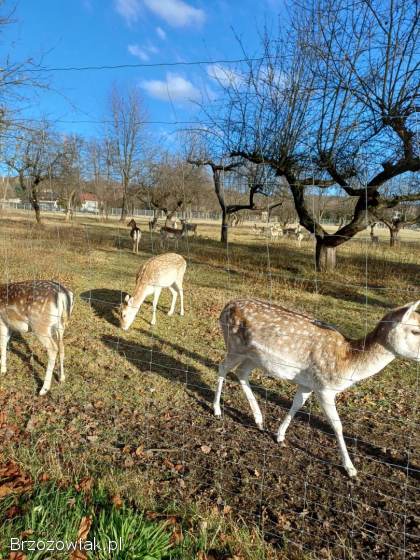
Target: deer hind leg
301,396
60,334
49,344
155,302
4,339
230,362
327,401
174,297
242,373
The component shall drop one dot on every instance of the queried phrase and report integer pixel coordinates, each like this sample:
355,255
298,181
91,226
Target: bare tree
34,157
127,137
68,178
169,186
332,104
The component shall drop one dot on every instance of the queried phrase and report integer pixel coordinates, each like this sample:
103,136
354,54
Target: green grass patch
52,518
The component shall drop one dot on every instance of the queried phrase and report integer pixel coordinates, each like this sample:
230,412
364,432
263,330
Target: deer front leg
4,339
174,297
178,287
230,361
155,302
327,401
301,396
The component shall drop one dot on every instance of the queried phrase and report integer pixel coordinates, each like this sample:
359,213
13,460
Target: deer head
127,312
400,330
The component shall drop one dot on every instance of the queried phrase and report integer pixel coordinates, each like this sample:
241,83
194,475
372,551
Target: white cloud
223,75
176,12
174,88
143,53
128,9
161,33
135,50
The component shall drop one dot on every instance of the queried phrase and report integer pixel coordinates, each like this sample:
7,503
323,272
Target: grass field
134,417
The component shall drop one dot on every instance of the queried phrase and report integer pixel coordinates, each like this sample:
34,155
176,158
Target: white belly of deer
280,366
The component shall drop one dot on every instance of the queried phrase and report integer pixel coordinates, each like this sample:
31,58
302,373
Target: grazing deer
171,233
163,271
135,235
189,227
43,307
312,354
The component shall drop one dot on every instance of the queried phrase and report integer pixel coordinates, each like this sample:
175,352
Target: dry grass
134,411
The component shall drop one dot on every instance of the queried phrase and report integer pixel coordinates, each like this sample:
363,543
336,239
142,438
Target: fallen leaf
84,528
78,555
13,511
206,449
85,485
17,556
117,501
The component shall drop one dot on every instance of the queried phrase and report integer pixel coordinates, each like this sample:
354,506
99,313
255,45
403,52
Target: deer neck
141,292
368,356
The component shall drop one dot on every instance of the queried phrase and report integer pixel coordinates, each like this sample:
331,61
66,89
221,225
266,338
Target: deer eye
415,332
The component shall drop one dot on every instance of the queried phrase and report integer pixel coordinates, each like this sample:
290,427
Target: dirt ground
136,408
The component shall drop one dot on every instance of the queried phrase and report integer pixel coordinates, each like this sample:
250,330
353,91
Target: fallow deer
189,227
135,235
163,271
312,354
167,233
42,307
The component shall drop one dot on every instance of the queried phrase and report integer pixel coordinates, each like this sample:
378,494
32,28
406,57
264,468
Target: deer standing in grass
313,355
42,307
163,271
135,235
172,233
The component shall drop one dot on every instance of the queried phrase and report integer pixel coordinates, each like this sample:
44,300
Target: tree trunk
123,207
70,204
325,256
393,236
33,198
225,227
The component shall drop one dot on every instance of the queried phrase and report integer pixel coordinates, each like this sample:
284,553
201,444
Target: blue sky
110,32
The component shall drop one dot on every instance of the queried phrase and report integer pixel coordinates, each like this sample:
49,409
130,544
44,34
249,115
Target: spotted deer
312,354
40,306
163,271
167,233
135,235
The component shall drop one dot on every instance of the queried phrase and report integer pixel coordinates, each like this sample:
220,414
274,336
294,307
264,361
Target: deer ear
410,307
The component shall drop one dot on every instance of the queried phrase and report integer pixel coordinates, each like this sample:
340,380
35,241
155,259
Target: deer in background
43,307
312,354
167,233
135,235
163,271
189,227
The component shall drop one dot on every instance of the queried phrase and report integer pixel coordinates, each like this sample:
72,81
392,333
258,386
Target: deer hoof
43,391
351,471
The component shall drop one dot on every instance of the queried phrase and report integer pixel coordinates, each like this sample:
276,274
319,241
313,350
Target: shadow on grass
104,303
27,355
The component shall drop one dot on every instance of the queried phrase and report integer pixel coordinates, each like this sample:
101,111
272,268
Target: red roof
85,197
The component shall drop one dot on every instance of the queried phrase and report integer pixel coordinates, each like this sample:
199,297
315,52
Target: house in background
89,203
48,201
